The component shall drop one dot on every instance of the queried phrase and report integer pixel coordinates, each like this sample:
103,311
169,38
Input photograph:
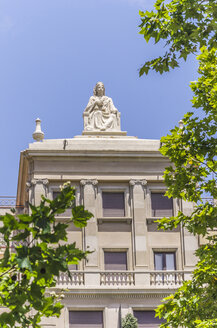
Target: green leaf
80,216
24,263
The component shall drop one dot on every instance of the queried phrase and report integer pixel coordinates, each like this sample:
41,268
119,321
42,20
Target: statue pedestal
104,133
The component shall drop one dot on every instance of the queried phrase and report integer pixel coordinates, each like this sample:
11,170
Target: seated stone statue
100,113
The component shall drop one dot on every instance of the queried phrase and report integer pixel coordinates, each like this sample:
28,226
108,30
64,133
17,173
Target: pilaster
37,187
138,195
190,242
89,187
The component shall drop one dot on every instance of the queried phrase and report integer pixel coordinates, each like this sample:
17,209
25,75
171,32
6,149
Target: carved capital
2,242
28,184
141,182
93,182
45,182
33,182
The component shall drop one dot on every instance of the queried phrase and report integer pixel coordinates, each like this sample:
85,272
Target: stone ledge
114,219
104,133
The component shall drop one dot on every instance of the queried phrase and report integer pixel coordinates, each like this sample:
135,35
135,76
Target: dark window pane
115,260
85,319
161,205
146,319
113,204
73,267
56,194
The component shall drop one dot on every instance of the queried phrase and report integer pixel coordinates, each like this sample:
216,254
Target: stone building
119,179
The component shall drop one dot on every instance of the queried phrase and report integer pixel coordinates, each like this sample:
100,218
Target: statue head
97,89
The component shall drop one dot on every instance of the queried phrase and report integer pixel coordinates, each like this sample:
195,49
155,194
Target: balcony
210,200
123,279
7,202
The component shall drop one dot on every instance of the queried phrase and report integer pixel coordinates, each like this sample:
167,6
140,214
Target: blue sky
52,52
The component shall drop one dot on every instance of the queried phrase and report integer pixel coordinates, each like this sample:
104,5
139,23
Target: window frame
113,189
164,260
162,193
148,309
116,250
56,188
160,189
84,309
121,208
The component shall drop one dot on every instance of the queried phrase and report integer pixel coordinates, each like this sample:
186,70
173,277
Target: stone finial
181,124
38,135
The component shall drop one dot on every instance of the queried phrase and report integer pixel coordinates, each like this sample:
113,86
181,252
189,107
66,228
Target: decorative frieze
138,294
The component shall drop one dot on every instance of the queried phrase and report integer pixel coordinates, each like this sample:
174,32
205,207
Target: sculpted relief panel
100,114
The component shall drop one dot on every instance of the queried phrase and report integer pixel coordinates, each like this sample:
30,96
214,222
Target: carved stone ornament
2,241
141,182
100,113
38,135
33,182
93,182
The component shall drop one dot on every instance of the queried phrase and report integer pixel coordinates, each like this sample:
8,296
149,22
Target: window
161,205
85,319
73,267
113,204
115,260
56,194
164,261
146,319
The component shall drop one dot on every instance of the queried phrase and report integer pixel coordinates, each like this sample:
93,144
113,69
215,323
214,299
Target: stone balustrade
123,279
167,278
7,201
77,278
117,278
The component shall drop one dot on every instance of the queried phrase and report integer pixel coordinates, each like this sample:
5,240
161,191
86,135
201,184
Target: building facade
119,179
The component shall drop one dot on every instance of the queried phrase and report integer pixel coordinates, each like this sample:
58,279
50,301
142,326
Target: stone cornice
93,153
127,294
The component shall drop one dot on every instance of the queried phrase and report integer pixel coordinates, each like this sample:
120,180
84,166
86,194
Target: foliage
194,305
189,27
129,321
36,252
193,153
183,25
193,149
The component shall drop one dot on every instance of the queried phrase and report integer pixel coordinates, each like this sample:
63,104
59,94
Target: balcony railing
167,278
117,278
7,201
209,200
122,279
77,278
